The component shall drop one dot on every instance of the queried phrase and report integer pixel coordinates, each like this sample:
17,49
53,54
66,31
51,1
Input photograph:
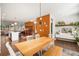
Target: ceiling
26,11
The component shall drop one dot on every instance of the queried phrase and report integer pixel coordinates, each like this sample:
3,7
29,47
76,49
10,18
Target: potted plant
77,40
76,36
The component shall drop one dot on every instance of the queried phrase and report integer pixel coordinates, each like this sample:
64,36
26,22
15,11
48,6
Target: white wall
20,11
0,15
62,11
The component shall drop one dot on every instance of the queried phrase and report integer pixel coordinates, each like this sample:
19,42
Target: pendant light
40,12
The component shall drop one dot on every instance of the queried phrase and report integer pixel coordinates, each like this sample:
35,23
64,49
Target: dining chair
54,51
30,37
37,36
49,45
11,51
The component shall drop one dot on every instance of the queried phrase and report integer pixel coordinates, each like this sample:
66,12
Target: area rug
67,52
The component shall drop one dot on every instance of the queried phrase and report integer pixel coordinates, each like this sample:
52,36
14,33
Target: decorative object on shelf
41,23
40,18
40,30
12,24
44,23
15,23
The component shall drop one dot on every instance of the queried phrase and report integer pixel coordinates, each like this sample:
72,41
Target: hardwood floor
4,51
63,44
67,45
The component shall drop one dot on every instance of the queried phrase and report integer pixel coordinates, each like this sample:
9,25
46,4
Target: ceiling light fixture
40,12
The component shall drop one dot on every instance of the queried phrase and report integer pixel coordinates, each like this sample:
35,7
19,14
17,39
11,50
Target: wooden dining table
30,47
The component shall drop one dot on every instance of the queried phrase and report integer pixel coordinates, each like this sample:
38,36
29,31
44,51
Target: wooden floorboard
67,45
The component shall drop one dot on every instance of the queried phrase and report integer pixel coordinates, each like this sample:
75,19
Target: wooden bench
54,51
